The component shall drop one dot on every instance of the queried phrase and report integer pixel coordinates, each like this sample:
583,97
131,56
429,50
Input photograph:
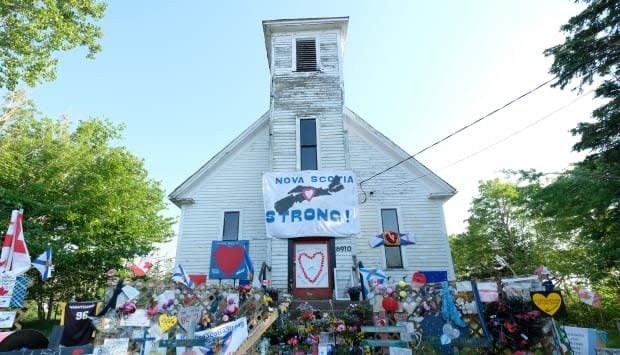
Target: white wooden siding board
282,53
203,222
416,212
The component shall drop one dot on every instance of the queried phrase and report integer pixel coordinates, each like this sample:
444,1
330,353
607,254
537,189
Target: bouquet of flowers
306,312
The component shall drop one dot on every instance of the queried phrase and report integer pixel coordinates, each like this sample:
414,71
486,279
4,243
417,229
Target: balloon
390,304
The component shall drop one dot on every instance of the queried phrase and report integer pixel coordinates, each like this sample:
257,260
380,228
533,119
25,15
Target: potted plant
354,293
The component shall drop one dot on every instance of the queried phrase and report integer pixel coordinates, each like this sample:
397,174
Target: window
306,55
389,219
231,226
307,144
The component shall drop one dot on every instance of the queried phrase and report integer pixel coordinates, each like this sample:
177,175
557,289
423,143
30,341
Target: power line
503,139
459,130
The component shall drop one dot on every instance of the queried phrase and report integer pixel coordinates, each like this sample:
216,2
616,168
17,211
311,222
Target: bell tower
307,92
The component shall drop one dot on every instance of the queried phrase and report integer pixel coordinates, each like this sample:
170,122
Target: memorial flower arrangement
306,312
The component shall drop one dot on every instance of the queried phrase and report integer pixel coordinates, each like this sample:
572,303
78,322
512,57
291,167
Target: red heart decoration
308,193
300,260
228,259
391,238
418,277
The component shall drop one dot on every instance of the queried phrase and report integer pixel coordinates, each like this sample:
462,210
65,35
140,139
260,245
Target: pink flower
341,327
152,311
292,341
128,308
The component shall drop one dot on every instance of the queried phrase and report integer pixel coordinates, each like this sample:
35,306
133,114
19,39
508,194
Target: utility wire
517,132
503,139
458,130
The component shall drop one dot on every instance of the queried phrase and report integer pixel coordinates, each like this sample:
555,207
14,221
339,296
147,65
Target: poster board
343,280
230,260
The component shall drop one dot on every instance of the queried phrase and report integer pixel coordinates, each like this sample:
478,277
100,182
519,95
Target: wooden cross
143,340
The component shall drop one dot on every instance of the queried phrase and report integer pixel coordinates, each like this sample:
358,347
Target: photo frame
343,280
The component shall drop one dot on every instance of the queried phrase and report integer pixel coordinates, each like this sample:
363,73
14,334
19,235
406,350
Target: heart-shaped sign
188,317
166,322
409,307
229,258
391,238
311,265
549,304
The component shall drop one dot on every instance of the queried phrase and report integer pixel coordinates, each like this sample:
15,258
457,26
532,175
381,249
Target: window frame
316,48
389,265
300,145
224,225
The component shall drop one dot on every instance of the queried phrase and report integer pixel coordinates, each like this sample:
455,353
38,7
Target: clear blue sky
187,77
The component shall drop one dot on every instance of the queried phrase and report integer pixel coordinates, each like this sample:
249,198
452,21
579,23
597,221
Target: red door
312,278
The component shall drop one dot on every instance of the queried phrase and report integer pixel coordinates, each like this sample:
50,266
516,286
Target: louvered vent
306,55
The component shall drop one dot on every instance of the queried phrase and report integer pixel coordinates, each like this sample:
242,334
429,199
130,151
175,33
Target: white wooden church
296,184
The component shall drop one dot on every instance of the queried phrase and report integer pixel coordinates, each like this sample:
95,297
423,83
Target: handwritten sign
112,346
549,302
137,319
188,317
7,283
7,319
167,321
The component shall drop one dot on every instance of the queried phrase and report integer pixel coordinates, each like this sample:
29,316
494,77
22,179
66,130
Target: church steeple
307,92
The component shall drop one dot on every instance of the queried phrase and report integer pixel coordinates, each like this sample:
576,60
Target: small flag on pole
14,258
371,277
143,265
589,297
181,276
541,270
44,264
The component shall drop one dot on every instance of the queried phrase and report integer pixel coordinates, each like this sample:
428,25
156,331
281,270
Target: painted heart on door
229,259
311,266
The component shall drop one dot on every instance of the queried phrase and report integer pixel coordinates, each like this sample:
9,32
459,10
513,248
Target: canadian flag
143,265
589,297
14,258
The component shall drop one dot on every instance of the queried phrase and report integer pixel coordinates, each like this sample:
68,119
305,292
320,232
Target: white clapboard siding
416,212
235,185
282,53
329,53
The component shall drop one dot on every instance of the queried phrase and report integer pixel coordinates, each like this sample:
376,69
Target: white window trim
309,35
403,255
317,122
239,234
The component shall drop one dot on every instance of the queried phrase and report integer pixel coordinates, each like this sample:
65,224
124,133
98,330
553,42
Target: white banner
311,266
311,203
232,333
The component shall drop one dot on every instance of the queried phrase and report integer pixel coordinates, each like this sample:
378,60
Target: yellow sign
549,304
166,322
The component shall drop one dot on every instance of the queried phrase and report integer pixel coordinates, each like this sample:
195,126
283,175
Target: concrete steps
332,307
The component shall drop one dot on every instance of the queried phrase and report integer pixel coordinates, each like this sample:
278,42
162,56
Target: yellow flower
403,294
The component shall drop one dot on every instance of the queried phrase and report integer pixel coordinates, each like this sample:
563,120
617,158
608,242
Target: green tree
88,199
587,199
32,32
499,224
